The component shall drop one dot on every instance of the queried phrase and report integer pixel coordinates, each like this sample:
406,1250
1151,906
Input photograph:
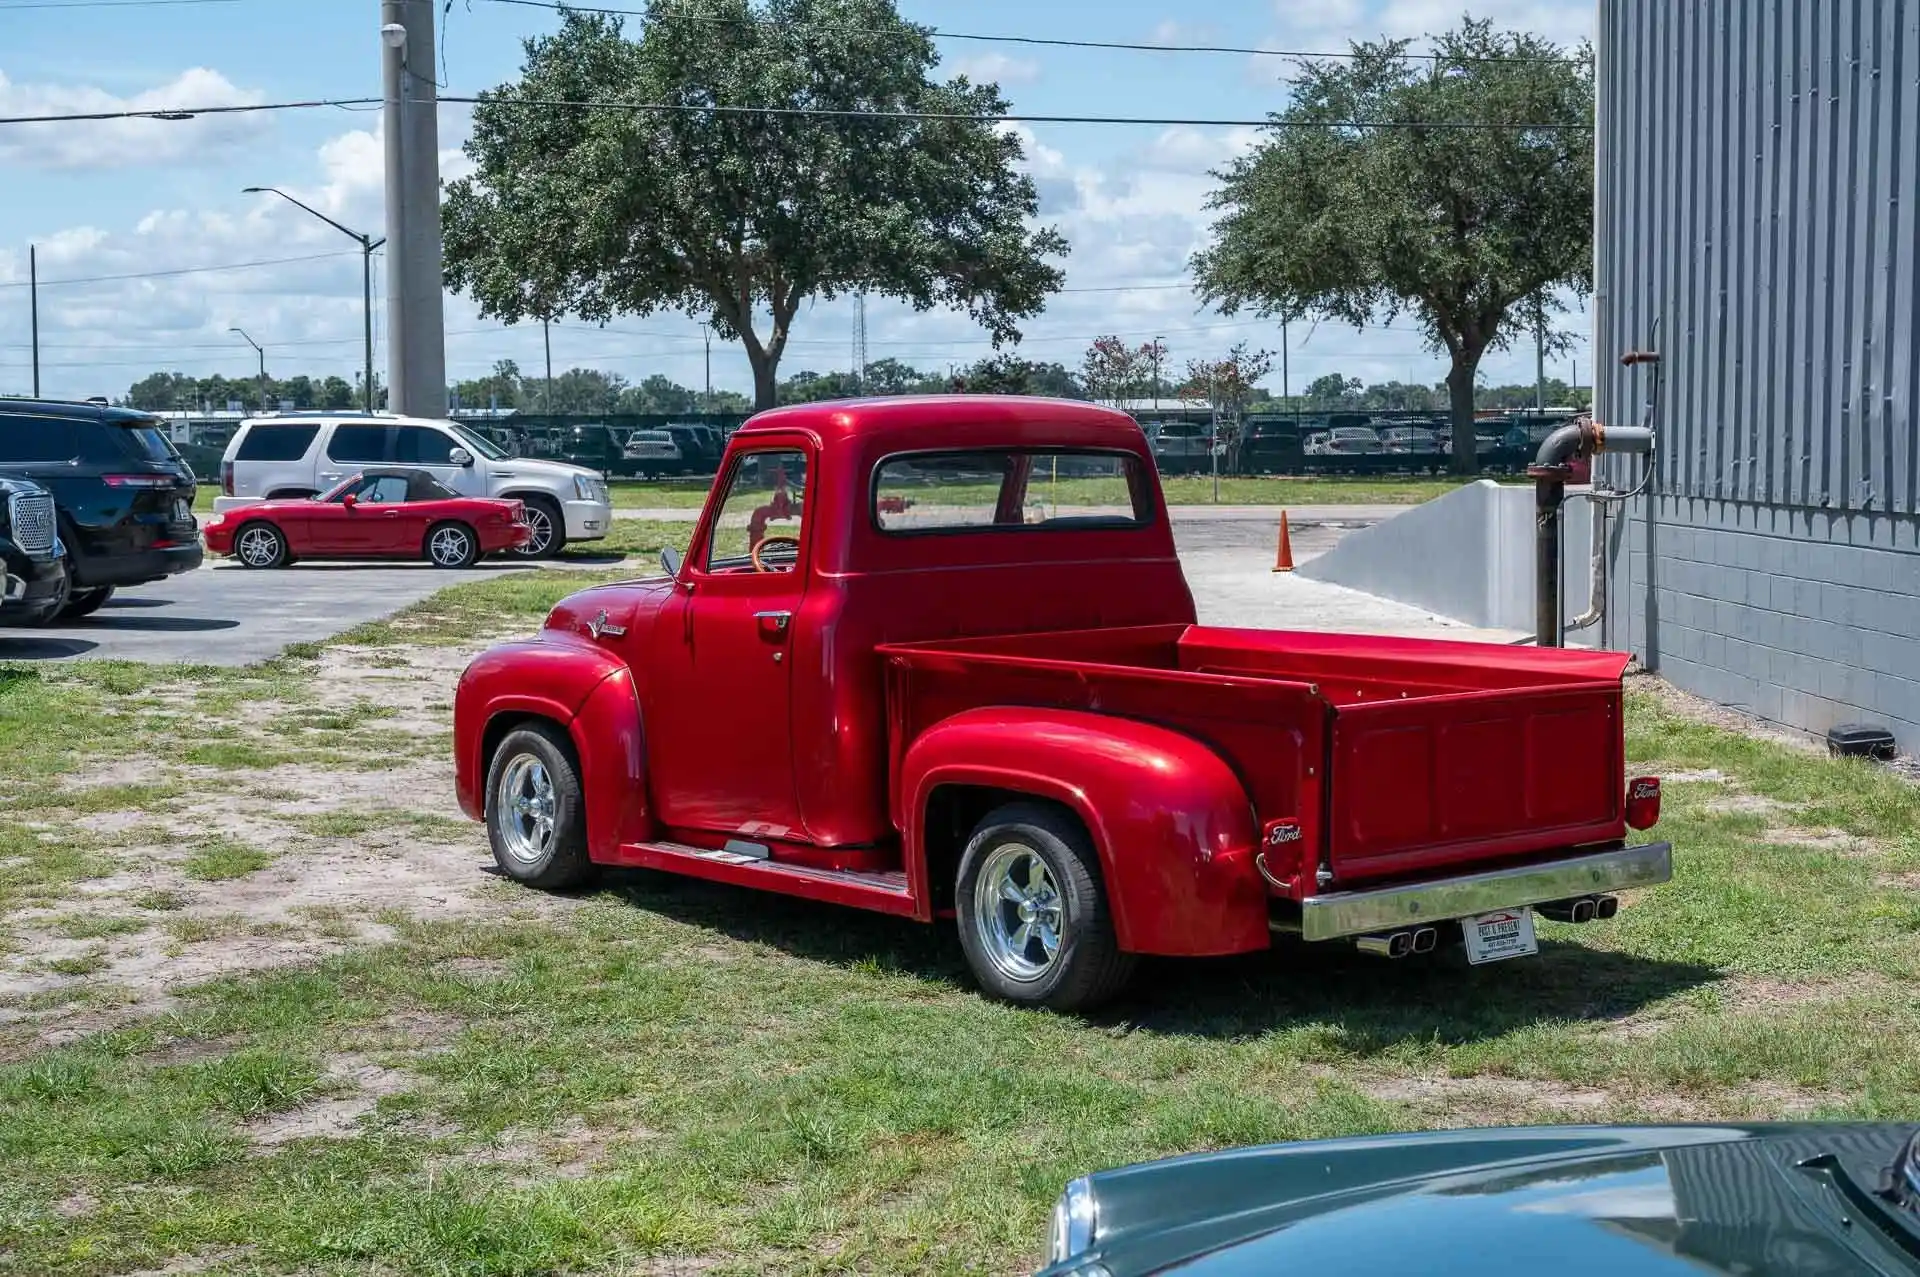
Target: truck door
719,736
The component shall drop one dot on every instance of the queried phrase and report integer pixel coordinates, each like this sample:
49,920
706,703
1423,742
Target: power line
979,37
180,114
183,270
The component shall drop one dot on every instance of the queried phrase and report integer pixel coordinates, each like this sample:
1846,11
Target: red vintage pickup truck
895,672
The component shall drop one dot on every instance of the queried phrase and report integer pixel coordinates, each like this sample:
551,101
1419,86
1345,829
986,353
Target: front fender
1173,825
551,677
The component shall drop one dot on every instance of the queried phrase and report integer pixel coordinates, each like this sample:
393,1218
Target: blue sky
135,197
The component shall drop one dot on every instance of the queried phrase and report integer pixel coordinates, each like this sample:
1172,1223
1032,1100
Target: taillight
139,481
1643,802
226,478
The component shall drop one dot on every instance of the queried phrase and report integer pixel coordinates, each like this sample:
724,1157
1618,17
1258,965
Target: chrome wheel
258,547
524,807
1018,911
540,525
449,547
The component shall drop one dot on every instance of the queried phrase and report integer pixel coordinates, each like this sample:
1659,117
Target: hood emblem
600,628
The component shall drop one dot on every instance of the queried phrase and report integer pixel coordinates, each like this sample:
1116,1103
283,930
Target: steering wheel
764,542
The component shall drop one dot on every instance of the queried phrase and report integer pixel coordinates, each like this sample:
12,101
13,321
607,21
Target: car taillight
139,481
1643,802
226,478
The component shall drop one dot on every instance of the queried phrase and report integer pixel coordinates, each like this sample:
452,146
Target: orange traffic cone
1284,561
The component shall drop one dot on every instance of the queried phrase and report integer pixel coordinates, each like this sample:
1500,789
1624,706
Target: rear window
1009,490
149,443
276,443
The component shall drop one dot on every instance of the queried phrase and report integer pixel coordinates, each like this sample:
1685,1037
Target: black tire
548,536
561,860
86,602
1087,966
272,542
48,612
441,550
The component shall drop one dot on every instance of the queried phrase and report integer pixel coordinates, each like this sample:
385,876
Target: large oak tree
1457,189
740,218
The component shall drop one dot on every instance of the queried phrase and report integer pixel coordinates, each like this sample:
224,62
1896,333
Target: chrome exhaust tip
1425,939
1583,911
1605,907
1393,944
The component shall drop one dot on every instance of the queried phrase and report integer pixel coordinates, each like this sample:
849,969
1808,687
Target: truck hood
1645,1200
628,607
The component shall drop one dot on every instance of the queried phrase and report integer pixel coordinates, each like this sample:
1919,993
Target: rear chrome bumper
1352,913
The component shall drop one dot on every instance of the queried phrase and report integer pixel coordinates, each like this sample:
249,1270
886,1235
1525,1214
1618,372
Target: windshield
339,490
478,443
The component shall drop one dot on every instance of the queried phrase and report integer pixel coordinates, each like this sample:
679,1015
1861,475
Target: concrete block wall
1809,619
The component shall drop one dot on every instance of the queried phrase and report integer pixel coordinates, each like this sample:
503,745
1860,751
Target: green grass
1180,490
218,859
661,1068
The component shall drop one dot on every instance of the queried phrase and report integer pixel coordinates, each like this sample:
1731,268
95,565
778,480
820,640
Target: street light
367,245
264,405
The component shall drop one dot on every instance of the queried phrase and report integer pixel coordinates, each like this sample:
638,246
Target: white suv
303,454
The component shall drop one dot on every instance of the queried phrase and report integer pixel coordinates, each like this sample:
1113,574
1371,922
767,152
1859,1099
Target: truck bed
1399,757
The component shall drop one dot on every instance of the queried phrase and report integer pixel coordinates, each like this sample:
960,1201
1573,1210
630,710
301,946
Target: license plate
1502,934
182,511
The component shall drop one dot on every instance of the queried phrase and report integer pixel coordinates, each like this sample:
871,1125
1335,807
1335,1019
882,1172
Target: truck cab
935,656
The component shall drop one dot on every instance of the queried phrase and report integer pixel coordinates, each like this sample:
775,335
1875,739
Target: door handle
773,622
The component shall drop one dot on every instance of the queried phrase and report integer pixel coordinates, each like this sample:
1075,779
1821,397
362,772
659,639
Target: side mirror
460,457
350,501
670,560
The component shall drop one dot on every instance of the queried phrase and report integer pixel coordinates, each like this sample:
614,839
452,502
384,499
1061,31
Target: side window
358,443
765,496
276,443
29,439
419,446
386,489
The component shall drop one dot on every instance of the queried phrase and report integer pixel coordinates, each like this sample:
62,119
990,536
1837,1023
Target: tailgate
1433,781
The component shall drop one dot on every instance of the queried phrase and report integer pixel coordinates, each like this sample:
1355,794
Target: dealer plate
1504,933
182,511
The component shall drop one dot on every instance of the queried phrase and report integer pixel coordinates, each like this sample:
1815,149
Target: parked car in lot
297,455
376,514
652,453
977,707
1615,1200
1409,441
123,496
31,576
1351,441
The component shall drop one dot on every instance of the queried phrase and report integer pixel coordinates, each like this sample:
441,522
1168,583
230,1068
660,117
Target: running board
884,892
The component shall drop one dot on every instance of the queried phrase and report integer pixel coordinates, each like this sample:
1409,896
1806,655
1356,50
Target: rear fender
578,687
1173,825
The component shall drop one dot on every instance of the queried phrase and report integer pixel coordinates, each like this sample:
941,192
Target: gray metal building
1759,184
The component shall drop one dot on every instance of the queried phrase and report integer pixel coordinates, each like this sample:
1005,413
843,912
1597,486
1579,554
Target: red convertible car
377,514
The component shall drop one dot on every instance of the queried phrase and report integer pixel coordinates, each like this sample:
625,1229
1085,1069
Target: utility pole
860,343
546,335
1158,342
706,400
367,244
265,407
1286,395
33,291
416,326
1540,365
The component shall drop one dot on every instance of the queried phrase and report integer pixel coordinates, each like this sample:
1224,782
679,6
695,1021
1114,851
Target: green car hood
1569,1201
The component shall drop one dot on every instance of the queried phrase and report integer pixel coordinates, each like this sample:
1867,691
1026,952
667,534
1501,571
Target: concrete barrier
1466,555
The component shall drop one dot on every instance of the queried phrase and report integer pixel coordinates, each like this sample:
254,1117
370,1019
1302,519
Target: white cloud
996,68
106,144
1172,31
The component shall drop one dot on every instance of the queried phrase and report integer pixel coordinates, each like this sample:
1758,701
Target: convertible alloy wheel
259,546
451,546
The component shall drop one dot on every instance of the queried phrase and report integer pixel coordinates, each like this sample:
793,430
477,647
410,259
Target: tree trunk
766,366
1466,446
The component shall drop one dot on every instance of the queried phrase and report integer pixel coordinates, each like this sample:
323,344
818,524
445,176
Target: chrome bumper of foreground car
1353,913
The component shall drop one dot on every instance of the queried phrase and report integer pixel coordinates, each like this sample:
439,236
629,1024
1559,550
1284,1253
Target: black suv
32,582
125,497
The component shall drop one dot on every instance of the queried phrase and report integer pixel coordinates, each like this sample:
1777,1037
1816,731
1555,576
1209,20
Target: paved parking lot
227,615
